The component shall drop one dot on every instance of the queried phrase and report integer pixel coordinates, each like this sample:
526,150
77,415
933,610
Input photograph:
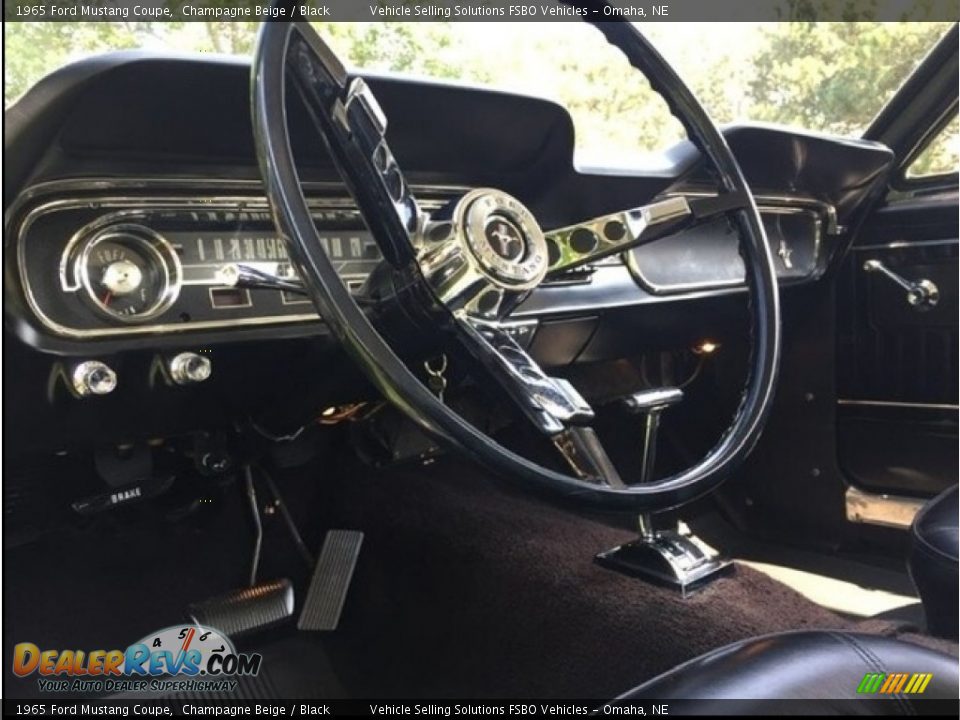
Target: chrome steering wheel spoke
607,235
553,405
346,110
549,403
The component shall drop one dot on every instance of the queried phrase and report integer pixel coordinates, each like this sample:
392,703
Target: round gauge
129,272
184,638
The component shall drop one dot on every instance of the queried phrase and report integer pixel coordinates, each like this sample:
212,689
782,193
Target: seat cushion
824,666
933,562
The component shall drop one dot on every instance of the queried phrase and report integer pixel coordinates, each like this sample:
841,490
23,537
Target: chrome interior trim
123,207
606,276
785,201
895,404
905,245
632,225
157,245
286,299
674,288
253,187
246,293
880,509
921,294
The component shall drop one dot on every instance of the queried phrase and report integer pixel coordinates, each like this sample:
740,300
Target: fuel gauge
129,272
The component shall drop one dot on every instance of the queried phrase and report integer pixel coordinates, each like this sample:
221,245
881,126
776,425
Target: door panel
897,364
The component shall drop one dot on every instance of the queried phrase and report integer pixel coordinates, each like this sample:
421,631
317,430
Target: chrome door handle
921,294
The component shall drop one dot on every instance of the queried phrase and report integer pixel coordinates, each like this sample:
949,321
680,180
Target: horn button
506,240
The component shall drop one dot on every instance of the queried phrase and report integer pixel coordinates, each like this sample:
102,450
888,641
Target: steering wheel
462,270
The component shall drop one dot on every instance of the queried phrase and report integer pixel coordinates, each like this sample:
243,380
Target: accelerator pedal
249,609
331,579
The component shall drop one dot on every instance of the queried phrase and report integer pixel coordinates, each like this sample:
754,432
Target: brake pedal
246,610
331,580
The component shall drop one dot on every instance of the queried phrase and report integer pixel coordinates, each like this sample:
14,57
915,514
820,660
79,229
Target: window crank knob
921,294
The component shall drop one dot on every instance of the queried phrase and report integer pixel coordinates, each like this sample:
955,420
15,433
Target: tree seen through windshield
829,77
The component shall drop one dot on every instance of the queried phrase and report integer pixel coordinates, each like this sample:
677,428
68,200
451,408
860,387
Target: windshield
828,77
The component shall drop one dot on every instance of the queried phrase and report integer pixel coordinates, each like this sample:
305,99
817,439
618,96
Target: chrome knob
93,377
189,367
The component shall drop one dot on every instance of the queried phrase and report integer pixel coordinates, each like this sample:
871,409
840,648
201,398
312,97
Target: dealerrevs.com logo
178,658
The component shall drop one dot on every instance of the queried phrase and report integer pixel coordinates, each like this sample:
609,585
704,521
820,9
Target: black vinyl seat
933,562
824,666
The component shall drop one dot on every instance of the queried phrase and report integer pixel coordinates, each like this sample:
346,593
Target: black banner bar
528,708
479,10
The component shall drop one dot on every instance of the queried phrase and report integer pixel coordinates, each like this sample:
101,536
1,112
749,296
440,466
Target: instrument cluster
164,264
129,266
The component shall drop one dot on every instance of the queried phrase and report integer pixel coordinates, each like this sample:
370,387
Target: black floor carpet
463,589
466,590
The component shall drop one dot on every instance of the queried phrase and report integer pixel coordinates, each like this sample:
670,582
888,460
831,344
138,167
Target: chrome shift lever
662,556
650,403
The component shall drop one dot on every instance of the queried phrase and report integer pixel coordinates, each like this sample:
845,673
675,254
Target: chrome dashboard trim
157,245
248,302
660,289
130,206
896,404
251,187
904,245
764,200
605,278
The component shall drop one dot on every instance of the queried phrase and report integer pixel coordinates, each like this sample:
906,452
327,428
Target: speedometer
129,272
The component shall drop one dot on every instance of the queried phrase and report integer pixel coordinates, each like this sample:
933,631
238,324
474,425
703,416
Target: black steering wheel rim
279,41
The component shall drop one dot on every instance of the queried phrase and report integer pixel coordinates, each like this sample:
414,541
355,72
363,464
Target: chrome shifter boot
666,557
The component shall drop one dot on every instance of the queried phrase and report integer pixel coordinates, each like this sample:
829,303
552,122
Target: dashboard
110,265
131,184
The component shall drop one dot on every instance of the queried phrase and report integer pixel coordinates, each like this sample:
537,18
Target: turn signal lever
921,294
247,276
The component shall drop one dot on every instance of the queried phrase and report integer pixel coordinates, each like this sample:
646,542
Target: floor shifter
666,557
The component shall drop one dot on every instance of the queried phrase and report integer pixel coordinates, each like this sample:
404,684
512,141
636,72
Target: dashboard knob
93,377
189,367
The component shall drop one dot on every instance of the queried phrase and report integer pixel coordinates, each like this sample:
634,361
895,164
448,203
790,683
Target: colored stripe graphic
870,683
894,683
888,683
901,681
915,681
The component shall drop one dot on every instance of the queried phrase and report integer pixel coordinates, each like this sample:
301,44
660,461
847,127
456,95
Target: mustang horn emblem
505,240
